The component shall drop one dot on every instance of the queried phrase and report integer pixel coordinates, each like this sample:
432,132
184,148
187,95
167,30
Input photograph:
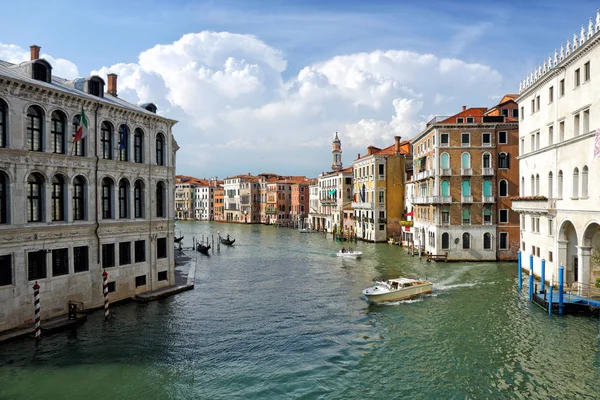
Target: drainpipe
96,180
150,209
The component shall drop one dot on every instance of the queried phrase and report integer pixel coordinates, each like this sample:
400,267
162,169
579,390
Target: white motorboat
397,289
349,253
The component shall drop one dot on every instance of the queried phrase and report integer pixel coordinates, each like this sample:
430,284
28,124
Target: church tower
336,154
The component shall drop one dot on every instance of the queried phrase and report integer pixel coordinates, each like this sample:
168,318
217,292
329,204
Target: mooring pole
36,307
550,296
531,277
520,273
543,275
561,273
105,285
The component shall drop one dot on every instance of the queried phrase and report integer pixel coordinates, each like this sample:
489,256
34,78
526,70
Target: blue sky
510,37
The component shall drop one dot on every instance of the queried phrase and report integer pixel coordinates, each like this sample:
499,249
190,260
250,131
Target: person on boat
228,237
343,249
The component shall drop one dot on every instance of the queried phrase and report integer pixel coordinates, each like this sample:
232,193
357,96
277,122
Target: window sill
574,198
584,198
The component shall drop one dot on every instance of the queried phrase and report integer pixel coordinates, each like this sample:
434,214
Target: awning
410,214
418,160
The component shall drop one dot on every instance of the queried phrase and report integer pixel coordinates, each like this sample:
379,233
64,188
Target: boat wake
442,286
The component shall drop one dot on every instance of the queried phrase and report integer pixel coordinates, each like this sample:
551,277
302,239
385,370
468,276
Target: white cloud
60,67
237,113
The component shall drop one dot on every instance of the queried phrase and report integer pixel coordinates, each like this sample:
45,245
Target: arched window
123,143
466,216
445,160
487,160
124,199
445,188
503,188
138,146
465,160
487,187
3,123
560,184
58,198
584,182
160,194
576,182
78,146
35,191
466,188
138,199
466,241
106,133
522,188
503,160
107,198
532,187
487,241
160,149
35,128
4,198
537,184
445,241
57,132
550,184
78,198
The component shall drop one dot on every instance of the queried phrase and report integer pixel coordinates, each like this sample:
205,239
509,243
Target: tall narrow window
160,151
445,160
487,160
123,143
561,131
35,185
78,146
537,184
160,193
550,184
445,241
138,199
107,192
586,122
586,72
532,186
466,188
3,198
575,182
465,160
138,146
58,132
466,216
78,198
487,216
503,160
487,241
123,199
522,188
106,132
3,123
503,188
466,241
576,120
445,188
34,125
58,198
560,185
584,182
487,187
550,135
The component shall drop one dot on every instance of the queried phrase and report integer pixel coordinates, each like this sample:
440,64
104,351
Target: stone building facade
70,210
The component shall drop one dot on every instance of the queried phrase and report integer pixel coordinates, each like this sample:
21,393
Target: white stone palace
69,210
559,202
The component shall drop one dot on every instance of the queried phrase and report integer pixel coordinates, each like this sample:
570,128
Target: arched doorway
567,252
590,241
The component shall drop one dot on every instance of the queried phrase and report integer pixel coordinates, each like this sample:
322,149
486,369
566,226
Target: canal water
278,315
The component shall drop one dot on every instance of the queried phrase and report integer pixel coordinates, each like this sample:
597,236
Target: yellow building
379,179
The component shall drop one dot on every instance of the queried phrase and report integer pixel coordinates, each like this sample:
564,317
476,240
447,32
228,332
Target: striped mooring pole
36,305
105,285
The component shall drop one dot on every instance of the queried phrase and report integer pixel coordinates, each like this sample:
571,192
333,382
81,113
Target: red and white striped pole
105,284
36,305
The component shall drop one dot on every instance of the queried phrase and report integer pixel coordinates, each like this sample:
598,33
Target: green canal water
279,316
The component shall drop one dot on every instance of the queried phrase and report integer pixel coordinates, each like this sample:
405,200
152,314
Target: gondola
202,248
228,241
179,239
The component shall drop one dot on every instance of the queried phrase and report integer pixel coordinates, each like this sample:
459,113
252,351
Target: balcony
440,199
232,207
445,171
487,171
329,201
362,205
420,200
487,222
437,119
534,204
466,171
488,199
466,199
271,211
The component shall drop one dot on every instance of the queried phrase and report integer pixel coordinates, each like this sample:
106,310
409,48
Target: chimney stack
112,84
358,156
464,108
370,150
35,52
397,144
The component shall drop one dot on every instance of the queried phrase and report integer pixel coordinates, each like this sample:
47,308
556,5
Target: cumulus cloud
237,112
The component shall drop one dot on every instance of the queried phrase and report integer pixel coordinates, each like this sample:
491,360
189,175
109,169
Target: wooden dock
436,257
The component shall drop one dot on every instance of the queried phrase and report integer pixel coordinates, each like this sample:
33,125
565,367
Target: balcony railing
466,199
488,199
329,200
419,200
533,206
466,171
441,199
271,211
362,205
446,171
487,171
437,119
487,222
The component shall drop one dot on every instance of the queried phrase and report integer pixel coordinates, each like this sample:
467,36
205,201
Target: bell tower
336,154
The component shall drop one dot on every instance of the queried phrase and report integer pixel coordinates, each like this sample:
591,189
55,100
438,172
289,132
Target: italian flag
83,127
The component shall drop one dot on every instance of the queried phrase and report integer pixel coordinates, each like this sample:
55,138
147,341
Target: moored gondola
227,240
202,248
179,239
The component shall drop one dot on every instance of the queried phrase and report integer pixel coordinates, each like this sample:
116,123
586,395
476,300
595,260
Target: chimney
370,150
397,144
35,52
358,156
464,108
112,84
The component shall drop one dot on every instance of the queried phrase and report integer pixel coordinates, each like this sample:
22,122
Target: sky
263,85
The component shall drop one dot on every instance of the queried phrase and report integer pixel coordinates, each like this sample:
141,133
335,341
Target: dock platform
572,303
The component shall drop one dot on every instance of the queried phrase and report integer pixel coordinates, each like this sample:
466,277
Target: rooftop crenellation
551,63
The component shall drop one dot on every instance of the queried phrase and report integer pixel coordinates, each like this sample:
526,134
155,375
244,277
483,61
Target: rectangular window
445,140
36,265
124,253
502,137
140,280
470,120
381,169
111,287
445,217
487,216
532,106
576,120
466,216
522,146
503,245
140,251
381,227
163,276
577,78
60,262
460,120
80,259
537,103
550,135
161,248
6,270
465,139
550,229
586,122
550,258
515,113
561,87
486,139
504,112
108,255
381,197
586,71
522,113
550,94
503,218
561,131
